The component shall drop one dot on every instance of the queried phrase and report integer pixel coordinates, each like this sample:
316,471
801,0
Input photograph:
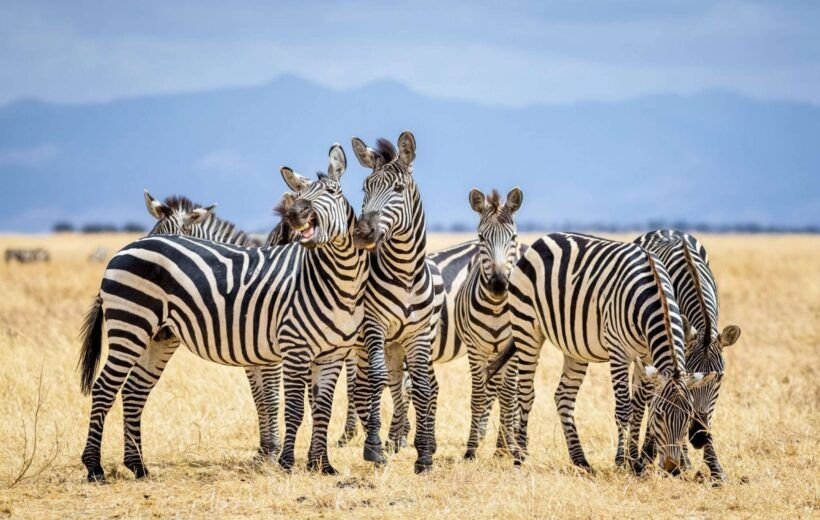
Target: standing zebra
300,304
481,318
179,216
399,320
449,267
697,294
599,300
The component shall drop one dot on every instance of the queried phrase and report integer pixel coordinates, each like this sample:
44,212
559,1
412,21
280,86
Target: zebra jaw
307,229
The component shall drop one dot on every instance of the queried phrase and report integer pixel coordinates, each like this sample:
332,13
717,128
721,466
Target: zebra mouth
308,229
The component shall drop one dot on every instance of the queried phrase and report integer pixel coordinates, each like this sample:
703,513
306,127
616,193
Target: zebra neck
482,295
402,259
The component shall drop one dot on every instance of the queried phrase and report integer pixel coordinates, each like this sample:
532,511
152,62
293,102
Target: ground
200,430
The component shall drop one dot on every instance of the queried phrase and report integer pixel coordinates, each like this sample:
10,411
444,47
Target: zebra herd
330,291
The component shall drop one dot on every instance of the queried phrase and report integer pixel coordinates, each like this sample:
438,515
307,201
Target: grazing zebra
697,294
179,216
400,314
599,300
300,304
27,256
449,267
481,320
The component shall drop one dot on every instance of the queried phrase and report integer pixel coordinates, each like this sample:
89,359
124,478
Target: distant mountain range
714,158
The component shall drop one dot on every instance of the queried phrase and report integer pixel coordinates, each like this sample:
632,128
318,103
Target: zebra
300,304
449,267
481,320
26,256
400,314
178,215
697,294
99,255
599,300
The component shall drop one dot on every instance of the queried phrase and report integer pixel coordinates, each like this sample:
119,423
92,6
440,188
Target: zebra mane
494,200
180,203
385,150
695,273
667,320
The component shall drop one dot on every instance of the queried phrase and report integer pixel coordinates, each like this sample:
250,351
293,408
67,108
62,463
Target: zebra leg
619,369
296,373
572,376
394,356
265,382
418,362
324,384
711,459
138,385
371,376
641,390
528,340
351,419
509,409
433,410
478,401
123,353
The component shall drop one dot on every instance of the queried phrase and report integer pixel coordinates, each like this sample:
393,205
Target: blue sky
496,53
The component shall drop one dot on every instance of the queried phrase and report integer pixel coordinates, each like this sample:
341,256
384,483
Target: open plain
200,429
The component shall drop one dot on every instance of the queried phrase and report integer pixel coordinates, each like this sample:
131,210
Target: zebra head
318,211
390,195
670,413
497,237
704,354
178,216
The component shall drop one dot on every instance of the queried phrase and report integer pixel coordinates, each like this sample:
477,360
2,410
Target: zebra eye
398,188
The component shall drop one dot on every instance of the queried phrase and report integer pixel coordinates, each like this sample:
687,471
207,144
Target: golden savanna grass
200,430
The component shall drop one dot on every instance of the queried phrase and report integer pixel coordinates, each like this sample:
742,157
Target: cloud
27,157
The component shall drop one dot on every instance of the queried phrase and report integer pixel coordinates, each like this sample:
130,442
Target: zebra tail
91,334
500,360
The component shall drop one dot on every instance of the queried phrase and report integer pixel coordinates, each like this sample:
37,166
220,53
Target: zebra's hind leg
572,376
323,385
265,382
371,375
351,419
478,402
296,375
123,352
138,386
394,357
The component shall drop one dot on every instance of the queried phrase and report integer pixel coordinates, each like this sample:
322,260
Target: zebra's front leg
352,418
418,363
642,388
123,352
296,375
508,401
265,382
433,410
710,457
478,401
572,377
324,384
371,376
138,386
619,369
394,357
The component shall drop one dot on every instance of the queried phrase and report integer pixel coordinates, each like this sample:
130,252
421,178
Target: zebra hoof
423,465
469,455
638,468
373,451
140,472
96,475
286,463
323,467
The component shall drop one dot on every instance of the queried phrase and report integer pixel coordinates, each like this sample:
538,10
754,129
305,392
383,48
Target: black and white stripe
300,304
696,291
399,320
599,300
481,319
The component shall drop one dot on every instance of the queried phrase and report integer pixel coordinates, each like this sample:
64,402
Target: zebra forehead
385,150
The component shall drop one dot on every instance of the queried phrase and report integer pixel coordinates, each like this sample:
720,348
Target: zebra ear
689,332
407,148
729,336
514,199
157,209
698,379
477,200
198,215
365,155
338,162
294,181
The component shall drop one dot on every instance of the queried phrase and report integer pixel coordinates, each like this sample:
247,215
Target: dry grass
200,428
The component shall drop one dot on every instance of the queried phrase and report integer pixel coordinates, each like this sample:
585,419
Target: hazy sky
508,52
